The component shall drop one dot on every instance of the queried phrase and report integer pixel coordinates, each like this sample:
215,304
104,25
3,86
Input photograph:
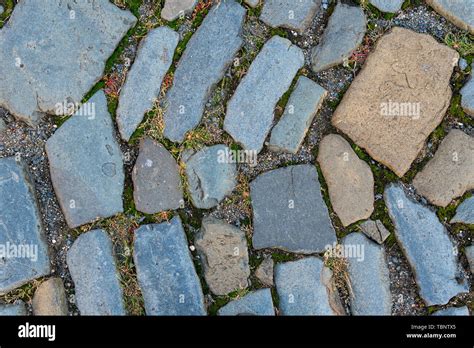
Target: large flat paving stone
304,103
450,173
176,8
460,12
289,212
350,180
94,273
465,212
165,270
208,54
291,14
143,83
250,112
16,309
156,181
341,37
224,254
369,277
400,96
23,249
391,6
53,52
306,287
86,165
259,302
210,176
427,246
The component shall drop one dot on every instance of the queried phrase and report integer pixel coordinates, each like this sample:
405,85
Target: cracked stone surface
96,279
400,96
16,309
350,180
450,173
291,129
176,8
259,302
250,112
290,14
368,276
305,287
156,181
70,39
375,230
457,11
211,177
224,254
17,199
144,80
391,6
50,298
165,270
289,212
86,165
201,67
427,247
341,37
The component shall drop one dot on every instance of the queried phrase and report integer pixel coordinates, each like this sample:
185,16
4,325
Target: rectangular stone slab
304,103
208,54
165,270
399,97
250,112
20,228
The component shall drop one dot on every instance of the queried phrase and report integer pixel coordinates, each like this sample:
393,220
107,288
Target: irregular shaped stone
94,273
306,287
86,165
3,126
50,298
469,251
250,112
452,311
391,6
210,176
252,3
1,10
202,66
289,212
341,37
224,254
143,84
51,68
368,276
165,270
291,14
304,103
450,173
467,97
427,246
264,272
463,65
457,11
177,8
400,96
375,230
16,309
465,212
23,249
156,181
349,179
255,303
